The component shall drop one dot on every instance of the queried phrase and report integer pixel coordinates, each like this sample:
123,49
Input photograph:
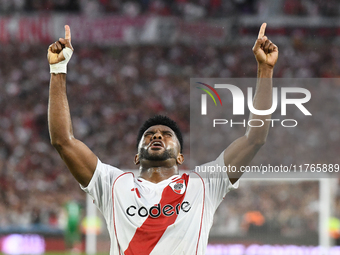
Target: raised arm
243,150
79,159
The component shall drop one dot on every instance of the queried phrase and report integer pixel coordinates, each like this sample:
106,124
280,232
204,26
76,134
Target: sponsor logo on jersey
158,210
178,186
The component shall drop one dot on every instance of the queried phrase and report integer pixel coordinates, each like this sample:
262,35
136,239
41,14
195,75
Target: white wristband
61,67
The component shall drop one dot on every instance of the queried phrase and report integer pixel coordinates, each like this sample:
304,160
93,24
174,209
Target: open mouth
156,145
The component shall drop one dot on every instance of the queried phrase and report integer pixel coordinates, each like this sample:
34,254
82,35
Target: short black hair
161,120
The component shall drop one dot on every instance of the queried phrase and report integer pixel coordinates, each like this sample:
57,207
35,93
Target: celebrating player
158,212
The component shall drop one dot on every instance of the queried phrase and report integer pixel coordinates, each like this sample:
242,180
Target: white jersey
173,216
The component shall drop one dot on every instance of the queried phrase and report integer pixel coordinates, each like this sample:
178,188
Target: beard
145,154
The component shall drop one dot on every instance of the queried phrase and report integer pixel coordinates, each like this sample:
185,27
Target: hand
55,53
266,52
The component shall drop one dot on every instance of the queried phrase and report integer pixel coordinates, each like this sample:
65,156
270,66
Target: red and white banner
108,30
26,29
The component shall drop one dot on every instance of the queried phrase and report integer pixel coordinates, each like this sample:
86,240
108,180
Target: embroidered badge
178,186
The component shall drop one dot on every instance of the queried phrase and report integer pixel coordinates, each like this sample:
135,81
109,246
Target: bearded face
159,143
156,155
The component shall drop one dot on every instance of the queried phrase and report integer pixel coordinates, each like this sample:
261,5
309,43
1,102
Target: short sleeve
216,180
101,183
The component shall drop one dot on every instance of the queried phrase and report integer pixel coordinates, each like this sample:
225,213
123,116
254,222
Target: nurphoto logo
239,103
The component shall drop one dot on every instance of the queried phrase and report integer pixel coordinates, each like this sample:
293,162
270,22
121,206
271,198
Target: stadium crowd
113,90
182,8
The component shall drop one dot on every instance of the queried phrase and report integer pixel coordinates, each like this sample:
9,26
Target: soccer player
72,235
159,211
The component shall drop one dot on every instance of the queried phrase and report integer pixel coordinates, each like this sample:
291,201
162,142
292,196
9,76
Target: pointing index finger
262,30
67,33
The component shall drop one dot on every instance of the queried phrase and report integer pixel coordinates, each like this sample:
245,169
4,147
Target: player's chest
136,201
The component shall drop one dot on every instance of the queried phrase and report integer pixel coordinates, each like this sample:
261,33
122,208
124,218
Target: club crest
178,186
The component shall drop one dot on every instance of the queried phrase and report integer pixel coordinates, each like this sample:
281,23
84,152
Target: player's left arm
243,150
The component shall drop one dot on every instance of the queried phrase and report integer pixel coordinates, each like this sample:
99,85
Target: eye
168,134
148,134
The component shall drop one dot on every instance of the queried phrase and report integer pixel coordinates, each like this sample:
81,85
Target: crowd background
182,8
112,90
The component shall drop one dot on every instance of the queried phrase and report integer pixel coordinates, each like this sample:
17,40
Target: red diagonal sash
147,236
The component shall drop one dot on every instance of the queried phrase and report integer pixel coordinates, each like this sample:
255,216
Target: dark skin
82,162
156,140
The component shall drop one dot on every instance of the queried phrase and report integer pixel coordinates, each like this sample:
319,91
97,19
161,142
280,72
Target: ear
180,159
136,161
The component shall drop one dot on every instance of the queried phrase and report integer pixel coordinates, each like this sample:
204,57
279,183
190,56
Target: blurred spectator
49,5
294,7
188,9
254,222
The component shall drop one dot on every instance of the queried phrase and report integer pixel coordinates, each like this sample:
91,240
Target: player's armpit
240,153
80,160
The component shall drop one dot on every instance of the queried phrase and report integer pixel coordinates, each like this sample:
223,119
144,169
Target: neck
157,174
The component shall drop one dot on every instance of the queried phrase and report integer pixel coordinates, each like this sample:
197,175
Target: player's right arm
80,160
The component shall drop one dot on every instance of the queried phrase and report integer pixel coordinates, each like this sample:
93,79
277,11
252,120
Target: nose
157,135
